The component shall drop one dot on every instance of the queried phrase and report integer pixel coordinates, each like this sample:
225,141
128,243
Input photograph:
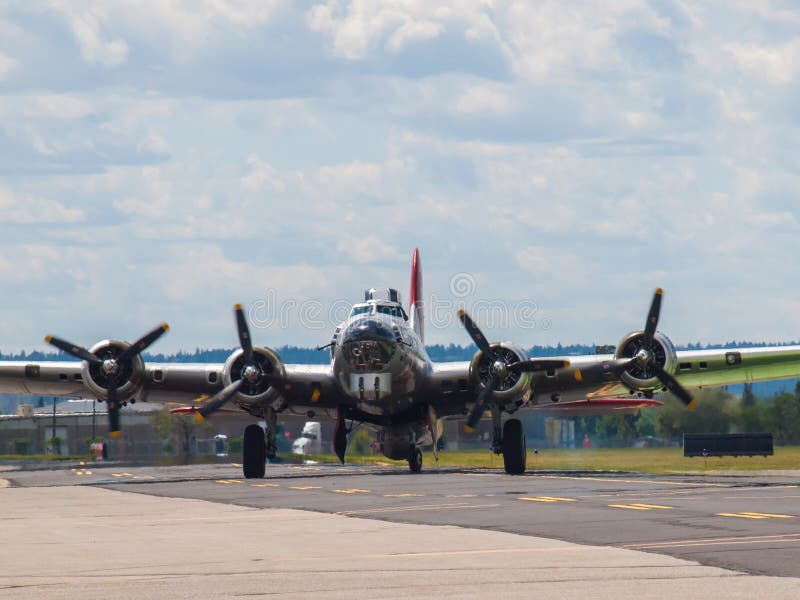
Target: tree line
718,411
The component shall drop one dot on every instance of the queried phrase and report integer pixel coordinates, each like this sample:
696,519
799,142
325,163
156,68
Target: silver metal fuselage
379,361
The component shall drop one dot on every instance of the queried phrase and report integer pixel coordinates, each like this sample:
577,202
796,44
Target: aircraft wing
698,368
163,382
588,378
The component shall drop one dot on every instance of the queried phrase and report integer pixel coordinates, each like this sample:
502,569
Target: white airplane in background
380,374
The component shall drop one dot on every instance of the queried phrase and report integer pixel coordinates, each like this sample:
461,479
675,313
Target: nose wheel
415,459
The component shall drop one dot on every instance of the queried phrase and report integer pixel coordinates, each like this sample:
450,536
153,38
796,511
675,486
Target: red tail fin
415,304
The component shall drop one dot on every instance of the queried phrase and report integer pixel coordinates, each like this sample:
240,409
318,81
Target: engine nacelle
513,388
130,374
259,388
642,378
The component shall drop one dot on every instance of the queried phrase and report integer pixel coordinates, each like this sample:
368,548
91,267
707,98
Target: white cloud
26,209
262,176
356,28
571,152
87,27
7,65
776,63
368,248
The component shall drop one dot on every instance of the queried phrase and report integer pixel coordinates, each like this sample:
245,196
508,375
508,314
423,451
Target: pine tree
748,398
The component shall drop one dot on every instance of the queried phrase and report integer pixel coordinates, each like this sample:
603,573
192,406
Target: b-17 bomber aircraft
381,375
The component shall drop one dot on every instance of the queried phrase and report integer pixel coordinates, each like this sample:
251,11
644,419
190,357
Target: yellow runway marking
754,515
639,506
461,505
403,495
305,487
265,485
354,491
117,475
548,499
755,539
644,481
229,481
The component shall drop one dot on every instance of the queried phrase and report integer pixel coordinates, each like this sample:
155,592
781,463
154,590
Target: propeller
218,400
251,371
499,368
111,367
645,357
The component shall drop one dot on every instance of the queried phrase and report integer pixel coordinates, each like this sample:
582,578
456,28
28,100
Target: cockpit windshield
393,311
360,309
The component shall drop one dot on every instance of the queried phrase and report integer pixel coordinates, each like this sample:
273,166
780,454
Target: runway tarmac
553,529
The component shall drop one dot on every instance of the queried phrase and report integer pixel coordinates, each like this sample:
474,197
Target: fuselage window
360,310
392,311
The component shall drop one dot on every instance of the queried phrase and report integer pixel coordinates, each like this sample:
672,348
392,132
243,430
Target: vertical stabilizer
415,304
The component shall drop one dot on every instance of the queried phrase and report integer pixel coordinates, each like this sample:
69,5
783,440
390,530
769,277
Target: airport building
75,423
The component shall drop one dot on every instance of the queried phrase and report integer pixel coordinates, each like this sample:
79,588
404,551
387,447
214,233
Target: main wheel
415,460
514,450
254,452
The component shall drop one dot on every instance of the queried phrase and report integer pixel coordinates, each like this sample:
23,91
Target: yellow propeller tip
198,417
461,312
692,405
659,291
165,326
48,338
237,307
578,375
115,434
468,429
566,363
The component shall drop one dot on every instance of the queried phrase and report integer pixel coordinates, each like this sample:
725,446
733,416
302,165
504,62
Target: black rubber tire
254,452
514,450
415,460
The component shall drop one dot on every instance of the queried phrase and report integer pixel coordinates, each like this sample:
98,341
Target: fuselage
379,361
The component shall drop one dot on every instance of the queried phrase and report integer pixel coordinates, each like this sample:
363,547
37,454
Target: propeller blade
113,420
652,318
72,349
113,408
218,400
533,365
244,334
673,386
484,398
143,343
476,335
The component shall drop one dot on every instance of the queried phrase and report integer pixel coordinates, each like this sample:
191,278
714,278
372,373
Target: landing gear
254,452
514,450
340,436
271,417
415,459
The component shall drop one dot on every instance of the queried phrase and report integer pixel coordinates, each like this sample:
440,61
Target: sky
554,161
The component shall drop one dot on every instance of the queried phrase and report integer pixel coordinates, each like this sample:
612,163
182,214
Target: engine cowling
510,387
255,386
642,378
130,373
